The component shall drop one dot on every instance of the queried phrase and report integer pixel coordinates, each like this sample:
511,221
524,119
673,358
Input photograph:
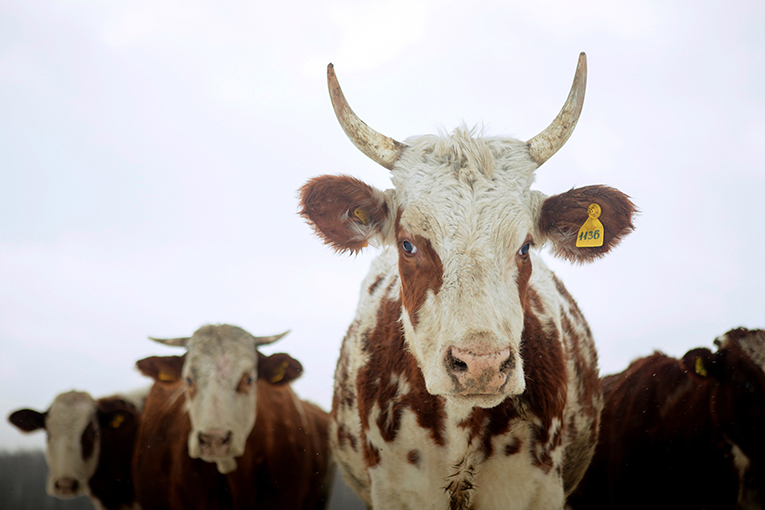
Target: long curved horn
264,340
177,342
547,143
378,147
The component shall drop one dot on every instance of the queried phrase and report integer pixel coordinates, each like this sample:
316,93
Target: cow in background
89,445
223,428
468,378
687,433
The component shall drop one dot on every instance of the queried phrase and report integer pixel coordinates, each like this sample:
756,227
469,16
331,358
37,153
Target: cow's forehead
221,350
70,409
753,344
445,184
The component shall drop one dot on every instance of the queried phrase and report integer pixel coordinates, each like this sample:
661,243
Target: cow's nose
215,442
476,371
67,485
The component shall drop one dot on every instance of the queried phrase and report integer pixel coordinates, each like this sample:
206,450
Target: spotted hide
223,429
468,377
683,433
89,445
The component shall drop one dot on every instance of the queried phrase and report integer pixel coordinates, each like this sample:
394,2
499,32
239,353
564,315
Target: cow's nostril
455,364
226,439
507,365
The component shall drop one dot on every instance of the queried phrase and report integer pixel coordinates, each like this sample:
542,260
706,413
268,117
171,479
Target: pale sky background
150,153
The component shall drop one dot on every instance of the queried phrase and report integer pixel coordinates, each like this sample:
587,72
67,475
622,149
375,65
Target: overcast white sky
150,153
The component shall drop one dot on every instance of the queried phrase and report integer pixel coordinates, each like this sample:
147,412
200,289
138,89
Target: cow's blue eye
524,249
409,247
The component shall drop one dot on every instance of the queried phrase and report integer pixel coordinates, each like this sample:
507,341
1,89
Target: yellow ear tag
591,233
362,215
164,376
117,421
279,373
699,367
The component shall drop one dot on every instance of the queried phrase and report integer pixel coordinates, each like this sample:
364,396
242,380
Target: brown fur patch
388,357
413,457
513,447
328,203
420,273
563,215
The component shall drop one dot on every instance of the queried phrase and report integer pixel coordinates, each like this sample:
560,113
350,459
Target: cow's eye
524,249
189,381
408,247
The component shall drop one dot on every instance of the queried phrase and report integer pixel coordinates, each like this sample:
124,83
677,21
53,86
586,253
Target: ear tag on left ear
361,214
117,421
279,373
591,233
164,376
699,367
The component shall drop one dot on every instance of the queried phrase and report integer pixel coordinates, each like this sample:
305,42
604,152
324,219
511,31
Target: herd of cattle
468,378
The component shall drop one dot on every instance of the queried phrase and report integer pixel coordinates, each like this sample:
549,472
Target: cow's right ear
27,420
162,368
701,363
346,213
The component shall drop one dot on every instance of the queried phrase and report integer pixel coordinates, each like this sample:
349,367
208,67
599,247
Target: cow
223,428
468,377
683,433
89,445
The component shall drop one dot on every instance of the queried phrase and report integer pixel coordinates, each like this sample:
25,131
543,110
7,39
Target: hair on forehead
470,154
74,398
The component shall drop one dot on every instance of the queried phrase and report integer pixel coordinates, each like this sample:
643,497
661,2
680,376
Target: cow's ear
562,218
116,413
701,363
279,368
27,420
346,213
162,368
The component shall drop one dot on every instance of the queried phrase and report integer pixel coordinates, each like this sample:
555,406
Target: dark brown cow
686,433
89,446
468,378
284,457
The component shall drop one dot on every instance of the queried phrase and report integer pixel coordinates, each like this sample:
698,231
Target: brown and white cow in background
468,378
686,433
89,445
230,406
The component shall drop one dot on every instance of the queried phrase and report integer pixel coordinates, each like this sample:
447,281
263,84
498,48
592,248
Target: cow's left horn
263,340
547,143
378,147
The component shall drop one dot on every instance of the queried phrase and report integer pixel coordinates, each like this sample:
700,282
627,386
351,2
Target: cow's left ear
116,413
162,368
279,368
27,420
701,363
564,219
346,213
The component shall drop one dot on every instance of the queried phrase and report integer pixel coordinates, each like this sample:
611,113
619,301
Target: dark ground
22,487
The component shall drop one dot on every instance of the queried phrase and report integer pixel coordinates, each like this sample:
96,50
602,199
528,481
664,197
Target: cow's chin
225,464
484,400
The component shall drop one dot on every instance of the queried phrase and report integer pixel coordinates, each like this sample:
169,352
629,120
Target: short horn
378,147
547,143
263,340
177,342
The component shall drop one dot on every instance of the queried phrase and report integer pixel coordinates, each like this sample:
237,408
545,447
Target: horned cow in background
225,405
89,445
468,378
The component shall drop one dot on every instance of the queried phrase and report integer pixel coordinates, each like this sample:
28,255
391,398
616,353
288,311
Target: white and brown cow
468,378
89,445
226,405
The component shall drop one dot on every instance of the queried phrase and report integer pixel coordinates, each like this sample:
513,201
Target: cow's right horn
376,146
547,143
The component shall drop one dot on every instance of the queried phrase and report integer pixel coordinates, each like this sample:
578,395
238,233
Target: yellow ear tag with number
591,233
279,373
699,367
117,421
362,215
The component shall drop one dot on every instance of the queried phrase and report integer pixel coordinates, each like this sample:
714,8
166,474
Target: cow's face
465,223
221,370
738,370
73,444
